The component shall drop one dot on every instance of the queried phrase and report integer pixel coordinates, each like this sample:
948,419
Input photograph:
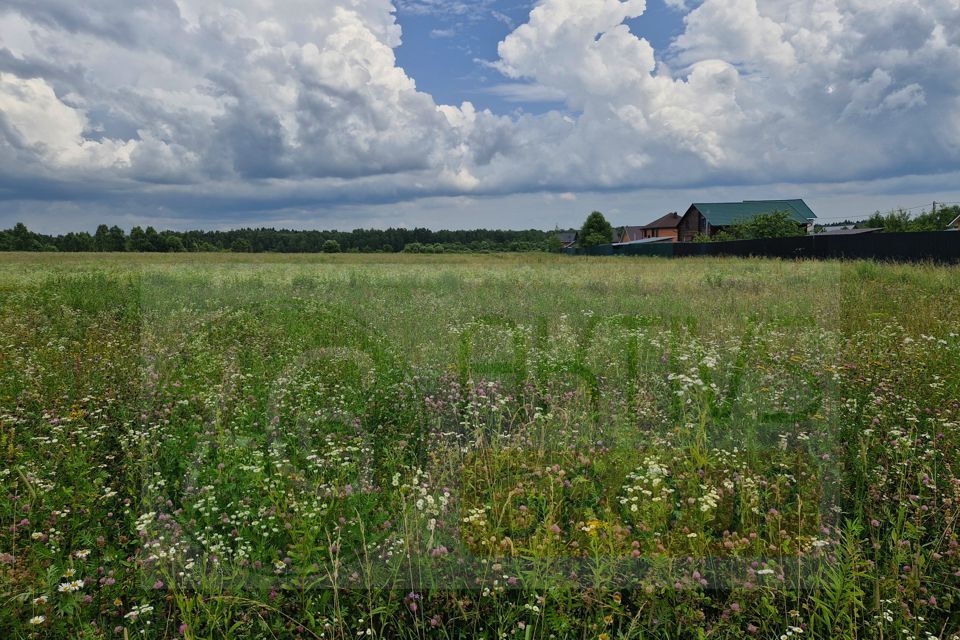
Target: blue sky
469,113
448,53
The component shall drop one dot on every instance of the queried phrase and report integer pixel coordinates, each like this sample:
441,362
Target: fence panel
936,246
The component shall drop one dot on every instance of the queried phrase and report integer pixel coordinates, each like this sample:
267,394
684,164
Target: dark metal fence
935,246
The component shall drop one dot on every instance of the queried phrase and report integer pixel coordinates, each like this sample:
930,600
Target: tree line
900,220
264,240
596,230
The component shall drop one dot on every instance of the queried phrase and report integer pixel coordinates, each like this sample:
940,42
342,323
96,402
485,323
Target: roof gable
721,214
669,221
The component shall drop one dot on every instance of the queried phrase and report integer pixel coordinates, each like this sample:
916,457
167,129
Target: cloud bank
201,105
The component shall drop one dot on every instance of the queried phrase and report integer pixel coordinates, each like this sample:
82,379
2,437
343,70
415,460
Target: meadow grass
496,446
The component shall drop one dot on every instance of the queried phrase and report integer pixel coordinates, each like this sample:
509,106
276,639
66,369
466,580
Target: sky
515,114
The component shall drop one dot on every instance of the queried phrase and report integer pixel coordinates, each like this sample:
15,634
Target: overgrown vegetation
333,446
901,221
778,224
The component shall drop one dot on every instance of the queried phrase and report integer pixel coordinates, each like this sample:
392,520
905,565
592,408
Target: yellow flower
608,620
592,527
603,636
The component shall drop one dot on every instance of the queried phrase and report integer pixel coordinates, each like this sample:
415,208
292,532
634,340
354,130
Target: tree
937,220
331,246
138,240
102,237
202,246
173,242
23,240
77,242
554,244
241,245
116,240
596,231
154,242
778,224
893,222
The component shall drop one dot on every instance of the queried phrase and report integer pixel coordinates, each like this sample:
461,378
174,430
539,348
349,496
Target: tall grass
477,447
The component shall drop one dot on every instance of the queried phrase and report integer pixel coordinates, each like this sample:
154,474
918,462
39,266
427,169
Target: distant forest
114,239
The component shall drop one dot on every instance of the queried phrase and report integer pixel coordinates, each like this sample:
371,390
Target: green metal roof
721,214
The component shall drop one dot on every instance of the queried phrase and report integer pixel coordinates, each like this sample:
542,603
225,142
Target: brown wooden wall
691,225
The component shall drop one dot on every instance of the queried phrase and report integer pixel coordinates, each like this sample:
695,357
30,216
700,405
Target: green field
393,446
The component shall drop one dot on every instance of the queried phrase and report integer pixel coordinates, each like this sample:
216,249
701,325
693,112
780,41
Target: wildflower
70,587
82,553
138,611
40,600
411,601
35,620
592,526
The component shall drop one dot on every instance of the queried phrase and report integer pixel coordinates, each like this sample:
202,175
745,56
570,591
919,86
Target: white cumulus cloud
281,103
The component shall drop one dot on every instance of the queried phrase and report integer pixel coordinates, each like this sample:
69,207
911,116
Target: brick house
665,227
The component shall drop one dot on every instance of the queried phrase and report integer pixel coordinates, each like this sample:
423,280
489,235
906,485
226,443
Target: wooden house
955,225
710,218
567,239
